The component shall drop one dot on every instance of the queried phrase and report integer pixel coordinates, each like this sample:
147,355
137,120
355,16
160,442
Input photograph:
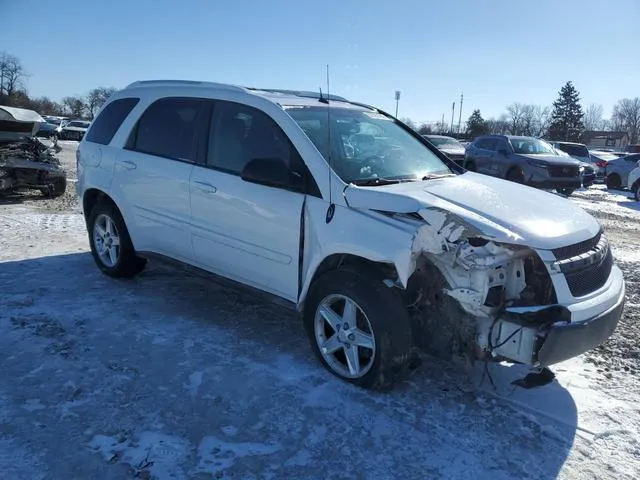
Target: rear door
241,230
152,175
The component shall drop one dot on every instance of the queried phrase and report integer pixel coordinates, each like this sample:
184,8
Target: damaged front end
472,295
29,164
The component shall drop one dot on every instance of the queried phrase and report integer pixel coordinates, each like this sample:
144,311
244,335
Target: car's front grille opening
591,278
576,249
564,171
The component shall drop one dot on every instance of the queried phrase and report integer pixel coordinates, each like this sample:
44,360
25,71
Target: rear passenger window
106,124
168,128
240,133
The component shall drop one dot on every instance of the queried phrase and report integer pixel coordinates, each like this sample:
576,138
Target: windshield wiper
435,176
375,181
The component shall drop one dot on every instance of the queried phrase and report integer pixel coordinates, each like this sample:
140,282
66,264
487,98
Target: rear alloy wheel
110,243
613,181
358,328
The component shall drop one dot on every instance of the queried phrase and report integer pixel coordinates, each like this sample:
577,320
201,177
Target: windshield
366,145
445,142
531,146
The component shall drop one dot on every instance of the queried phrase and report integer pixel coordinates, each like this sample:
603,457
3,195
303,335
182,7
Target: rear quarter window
106,124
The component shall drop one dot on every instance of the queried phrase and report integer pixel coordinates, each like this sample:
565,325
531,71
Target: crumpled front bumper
545,335
569,340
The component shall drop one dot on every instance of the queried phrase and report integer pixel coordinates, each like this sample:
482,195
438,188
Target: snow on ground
171,375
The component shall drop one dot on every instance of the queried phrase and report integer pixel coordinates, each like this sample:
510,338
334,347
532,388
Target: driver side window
239,133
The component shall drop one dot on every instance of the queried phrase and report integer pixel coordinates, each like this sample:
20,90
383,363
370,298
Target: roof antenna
332,208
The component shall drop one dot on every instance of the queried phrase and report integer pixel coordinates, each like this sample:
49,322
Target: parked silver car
617,171
451,147
525,160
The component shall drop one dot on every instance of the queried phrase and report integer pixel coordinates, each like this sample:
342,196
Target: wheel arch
384,269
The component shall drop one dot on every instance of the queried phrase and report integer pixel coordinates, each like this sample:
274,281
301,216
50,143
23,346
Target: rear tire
110,243
379,314
636,191
515,175
613,181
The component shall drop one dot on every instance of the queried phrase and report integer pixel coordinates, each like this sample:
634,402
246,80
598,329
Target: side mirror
272,172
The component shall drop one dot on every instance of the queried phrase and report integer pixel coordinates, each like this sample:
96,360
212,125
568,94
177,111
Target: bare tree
514,117
12,75
74,106
498,126
96,98
593,117
542,120
626,115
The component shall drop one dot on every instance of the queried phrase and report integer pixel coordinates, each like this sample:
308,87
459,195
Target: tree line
564,120
13,93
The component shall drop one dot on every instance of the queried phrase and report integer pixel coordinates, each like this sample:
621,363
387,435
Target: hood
505,211
551,159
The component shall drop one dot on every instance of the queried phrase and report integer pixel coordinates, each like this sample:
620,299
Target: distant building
603,139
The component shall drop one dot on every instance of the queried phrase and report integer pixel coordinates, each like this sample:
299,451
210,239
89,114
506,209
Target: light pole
460,116
453,110
397,101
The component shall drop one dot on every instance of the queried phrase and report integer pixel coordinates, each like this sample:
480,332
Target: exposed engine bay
469,295
29,164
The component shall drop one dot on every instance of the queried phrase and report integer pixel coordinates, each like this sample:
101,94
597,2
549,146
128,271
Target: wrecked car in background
73,130
385,245
25,162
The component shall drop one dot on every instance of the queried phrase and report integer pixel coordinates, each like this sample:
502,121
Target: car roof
282,97
428,135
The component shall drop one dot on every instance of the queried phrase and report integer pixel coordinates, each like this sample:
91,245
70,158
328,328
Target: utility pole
442,124
453,109
397,101
460,116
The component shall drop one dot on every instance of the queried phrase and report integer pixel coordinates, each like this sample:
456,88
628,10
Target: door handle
206,187
129,165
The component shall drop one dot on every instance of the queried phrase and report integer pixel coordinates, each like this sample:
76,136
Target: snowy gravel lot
170,376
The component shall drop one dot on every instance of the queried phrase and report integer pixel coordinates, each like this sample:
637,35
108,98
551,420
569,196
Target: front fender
362,233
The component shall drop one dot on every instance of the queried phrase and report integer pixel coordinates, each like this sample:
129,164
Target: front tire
566,191
515,175
110,243
358,328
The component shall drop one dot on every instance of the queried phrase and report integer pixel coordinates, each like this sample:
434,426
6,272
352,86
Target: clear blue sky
495,51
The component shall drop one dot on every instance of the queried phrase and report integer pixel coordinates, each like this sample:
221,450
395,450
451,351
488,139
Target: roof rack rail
169,83
300,93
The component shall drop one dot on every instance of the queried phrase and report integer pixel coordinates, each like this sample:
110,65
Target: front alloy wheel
358,327
344,336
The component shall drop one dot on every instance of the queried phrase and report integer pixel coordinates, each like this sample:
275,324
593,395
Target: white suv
384,245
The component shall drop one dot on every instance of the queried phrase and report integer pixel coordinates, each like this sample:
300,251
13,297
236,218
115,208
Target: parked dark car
526,160
46,130
451,147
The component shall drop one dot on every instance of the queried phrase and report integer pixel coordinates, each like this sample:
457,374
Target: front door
245,231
